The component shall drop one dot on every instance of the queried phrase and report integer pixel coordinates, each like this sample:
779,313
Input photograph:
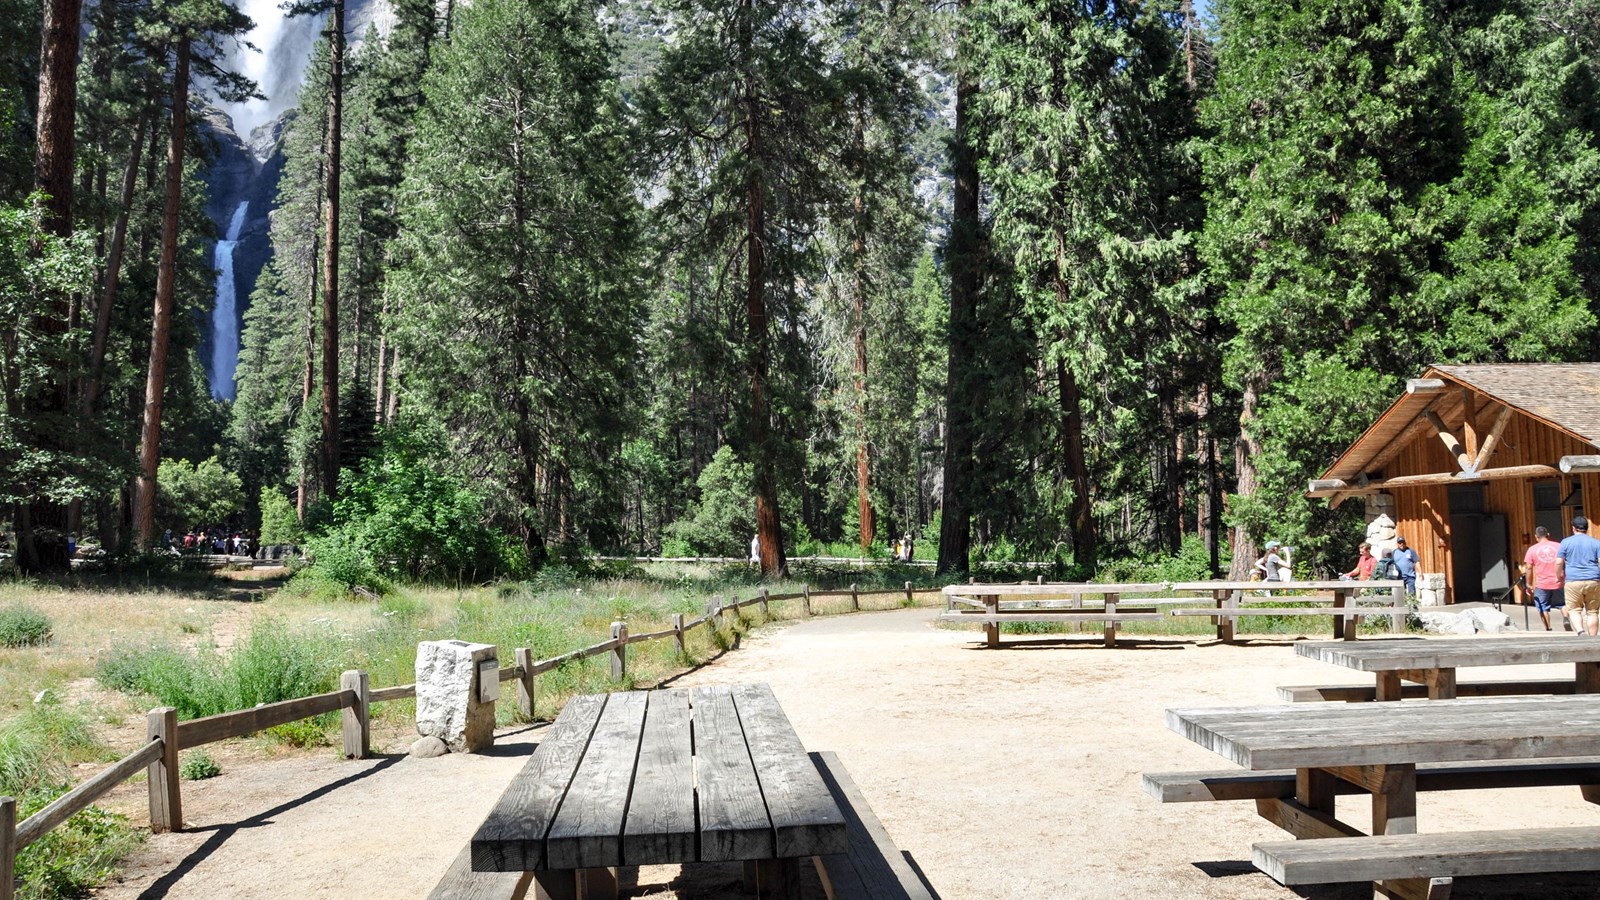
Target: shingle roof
1566,395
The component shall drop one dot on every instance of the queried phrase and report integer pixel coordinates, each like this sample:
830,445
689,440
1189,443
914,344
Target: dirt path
1009,774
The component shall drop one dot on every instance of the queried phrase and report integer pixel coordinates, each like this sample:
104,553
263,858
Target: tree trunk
161,324
58,104
330,257
1085,540
955,529
858,254
1245,450
381,380
308,377
108,296
769,530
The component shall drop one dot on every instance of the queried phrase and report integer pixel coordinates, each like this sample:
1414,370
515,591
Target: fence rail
159,756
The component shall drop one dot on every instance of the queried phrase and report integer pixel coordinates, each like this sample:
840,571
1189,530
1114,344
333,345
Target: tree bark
769,530
58,104
330,255
1245,450
955,528
1085,539
108,296
858,253
161,324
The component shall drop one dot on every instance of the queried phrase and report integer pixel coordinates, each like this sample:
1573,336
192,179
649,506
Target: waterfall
277,65
224,317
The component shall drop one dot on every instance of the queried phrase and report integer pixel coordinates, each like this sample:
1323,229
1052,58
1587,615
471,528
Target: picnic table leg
1394,811
1344,624
1388,686
555,884
1226,600
597,884
1111,625
991,628
1441,684
1588,678
778,879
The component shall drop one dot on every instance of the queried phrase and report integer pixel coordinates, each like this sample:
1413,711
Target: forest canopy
1066,281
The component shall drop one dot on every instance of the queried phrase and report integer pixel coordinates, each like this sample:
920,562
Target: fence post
1039,579
356,717
855,599
8,847
807,599
619,656
677,633
714,614
910,600
166,806
764,613
525,682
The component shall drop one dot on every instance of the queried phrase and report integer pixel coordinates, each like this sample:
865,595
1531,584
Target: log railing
158,756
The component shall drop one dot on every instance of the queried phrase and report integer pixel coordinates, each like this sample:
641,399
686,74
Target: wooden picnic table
1376,748
1434,662
709,774
1228,597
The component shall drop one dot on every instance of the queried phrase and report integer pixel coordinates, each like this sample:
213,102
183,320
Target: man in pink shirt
1542,567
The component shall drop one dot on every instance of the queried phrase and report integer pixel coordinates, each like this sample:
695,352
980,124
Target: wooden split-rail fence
158,757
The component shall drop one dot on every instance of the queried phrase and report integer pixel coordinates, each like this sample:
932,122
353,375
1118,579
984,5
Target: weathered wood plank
1236,612
587,830
1462,853
511,838
805,819
84,795
461,883
734,824
661,825
1361,693
1301,820
871,868
222,726
1450,653
1322,735
1199,787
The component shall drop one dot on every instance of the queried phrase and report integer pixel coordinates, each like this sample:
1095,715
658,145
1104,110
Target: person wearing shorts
1580,569
1541,566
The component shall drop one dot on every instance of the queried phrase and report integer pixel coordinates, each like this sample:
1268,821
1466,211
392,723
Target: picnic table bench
992,605
663,777
1392,751
1431,665
1343,600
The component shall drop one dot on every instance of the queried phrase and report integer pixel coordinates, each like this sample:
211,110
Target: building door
1479,567
1547,508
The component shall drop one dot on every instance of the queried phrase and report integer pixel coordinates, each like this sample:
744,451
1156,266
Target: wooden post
166,806
619,656
677,633
1397,621
8,847
855,599
765,614
806,599
1039,580
991,628
1111,622
910,600
714,613
525,695
356,720
1344,624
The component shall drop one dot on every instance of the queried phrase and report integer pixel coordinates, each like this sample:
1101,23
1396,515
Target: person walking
1580,569
1405,563
1541,565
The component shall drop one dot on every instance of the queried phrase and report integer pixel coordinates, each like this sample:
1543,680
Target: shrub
302,733
23,626
279,522
203,494
721,522
198,766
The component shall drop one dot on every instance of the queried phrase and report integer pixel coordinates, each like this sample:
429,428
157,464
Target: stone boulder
449,706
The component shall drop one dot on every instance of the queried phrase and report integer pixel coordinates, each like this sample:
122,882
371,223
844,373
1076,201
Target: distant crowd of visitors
220,541
1566,577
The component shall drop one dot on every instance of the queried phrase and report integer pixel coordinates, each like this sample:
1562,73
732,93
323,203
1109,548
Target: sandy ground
1004,774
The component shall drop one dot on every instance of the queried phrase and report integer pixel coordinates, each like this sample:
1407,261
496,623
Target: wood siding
1423,513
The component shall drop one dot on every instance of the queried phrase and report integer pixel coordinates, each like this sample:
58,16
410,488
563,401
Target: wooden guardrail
158,757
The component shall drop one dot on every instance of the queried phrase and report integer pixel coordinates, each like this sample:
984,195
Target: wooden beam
1325,485
1491,441
1424,385
1450,443
1406,481
1579,464
1419,426
1469,425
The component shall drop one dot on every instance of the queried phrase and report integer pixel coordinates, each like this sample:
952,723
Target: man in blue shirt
1580,565
1405,562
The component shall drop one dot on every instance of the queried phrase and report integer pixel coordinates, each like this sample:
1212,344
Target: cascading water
224,317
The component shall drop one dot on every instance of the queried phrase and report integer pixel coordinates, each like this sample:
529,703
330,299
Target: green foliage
272,663
303,733
197,496
1191,563
403,514
198,765
721,521
279,522
23,626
